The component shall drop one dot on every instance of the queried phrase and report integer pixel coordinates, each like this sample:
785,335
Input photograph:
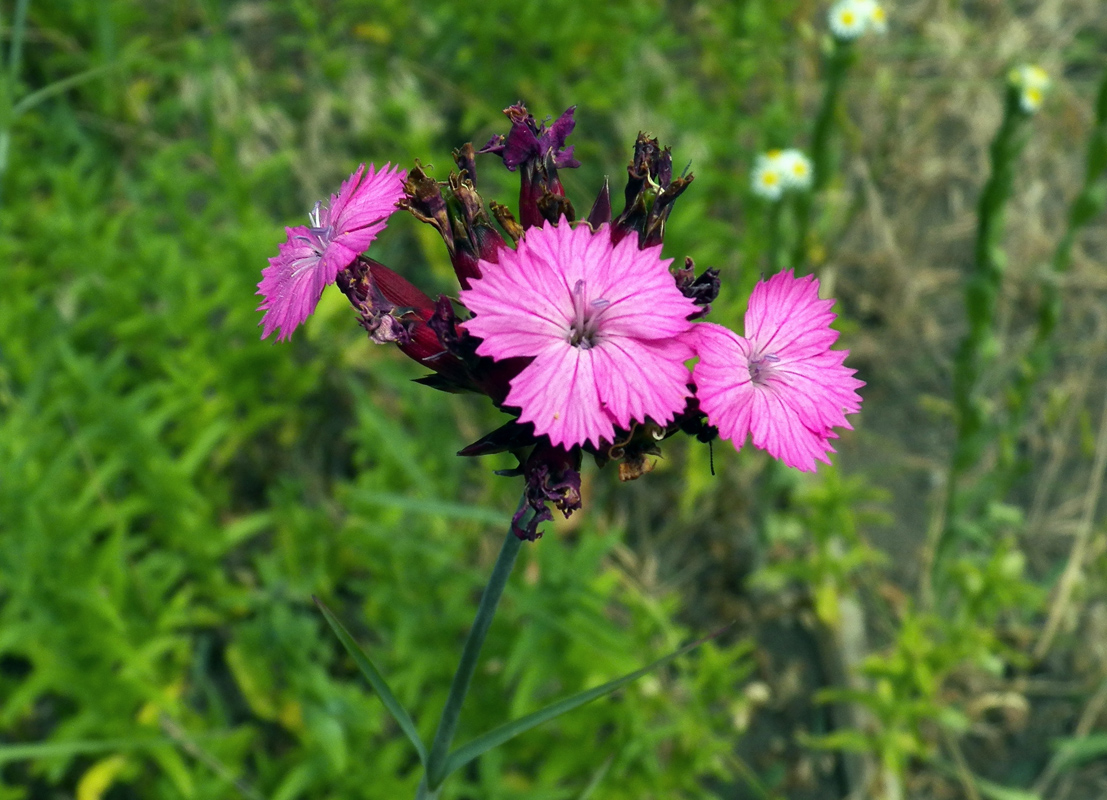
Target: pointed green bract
494,738
376,680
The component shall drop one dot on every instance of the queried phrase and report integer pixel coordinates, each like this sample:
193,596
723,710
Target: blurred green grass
173,490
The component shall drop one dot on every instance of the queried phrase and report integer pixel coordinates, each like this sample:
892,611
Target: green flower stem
447,726
838,65
840,60
1089,203
775,211
975,428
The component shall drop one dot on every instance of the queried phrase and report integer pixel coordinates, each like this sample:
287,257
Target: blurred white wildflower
877,19
1031,82
767,179
848,19
851,18
795,169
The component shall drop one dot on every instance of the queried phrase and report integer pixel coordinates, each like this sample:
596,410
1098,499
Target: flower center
321,228
584,330
761,367
318,237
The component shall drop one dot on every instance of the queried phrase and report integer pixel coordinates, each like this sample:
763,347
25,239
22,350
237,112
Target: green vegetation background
174,490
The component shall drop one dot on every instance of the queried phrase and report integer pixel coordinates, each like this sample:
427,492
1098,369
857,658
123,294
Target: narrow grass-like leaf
64,84
1079,750
429,506
597,779
986,788
995,791
376,680
78,747
494,738
15,53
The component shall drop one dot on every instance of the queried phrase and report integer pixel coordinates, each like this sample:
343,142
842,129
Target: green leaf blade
376,680
494,738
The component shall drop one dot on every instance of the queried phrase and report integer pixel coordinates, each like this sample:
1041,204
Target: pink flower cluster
580,331
610,336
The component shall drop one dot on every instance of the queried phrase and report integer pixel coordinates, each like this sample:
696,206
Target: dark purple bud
512,435
522,144
701,290
601,209
467,214
552,475
459,216
467,371
474,236
665,167
507,220
529,141
444,323
650,193
466,161
489,243
662,207
693,421
396,289
553,140
383,320
423,198
392,309
384,328
553,207
537,152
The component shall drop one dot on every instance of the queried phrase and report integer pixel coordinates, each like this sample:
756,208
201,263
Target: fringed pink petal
312,257
605,324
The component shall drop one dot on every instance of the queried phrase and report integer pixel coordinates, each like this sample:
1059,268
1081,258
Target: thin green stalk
838,65
774,236
798,255
840,60
1089,203
470,654
8,86
19,25
978,349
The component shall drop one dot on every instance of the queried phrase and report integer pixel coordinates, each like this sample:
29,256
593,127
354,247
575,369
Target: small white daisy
848,19
878,20
767,179
795,169
1031,82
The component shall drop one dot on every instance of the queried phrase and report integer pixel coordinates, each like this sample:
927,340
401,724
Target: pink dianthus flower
781,382
604,324
312,256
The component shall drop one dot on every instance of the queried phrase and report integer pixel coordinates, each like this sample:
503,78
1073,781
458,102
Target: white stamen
584,328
